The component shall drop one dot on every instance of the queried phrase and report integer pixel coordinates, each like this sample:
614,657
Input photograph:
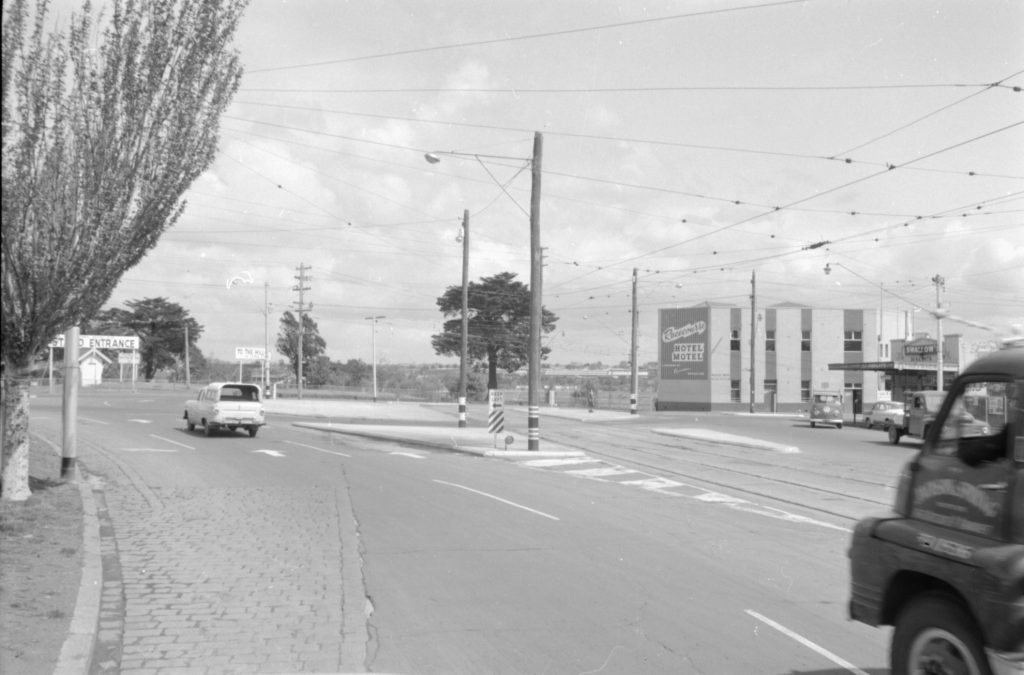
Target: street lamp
536,267
464,351
373,352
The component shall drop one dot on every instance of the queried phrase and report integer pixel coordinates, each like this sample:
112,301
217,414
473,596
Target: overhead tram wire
558,134
822,193
931,114
534,36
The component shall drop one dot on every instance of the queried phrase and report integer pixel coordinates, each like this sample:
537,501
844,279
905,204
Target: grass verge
40,567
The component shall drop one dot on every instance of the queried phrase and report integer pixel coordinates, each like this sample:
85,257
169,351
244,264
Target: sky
699,142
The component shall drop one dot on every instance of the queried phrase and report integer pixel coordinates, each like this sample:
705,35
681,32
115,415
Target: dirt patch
40,567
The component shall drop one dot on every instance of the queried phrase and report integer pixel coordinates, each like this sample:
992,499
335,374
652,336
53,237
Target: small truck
945,568
919,413
226,405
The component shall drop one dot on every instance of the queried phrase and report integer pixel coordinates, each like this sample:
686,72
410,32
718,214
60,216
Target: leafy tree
288,341
103,131
355,372
160,325
499,324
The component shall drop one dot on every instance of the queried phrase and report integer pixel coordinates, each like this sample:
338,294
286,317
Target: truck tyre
935,634
207,429
894,434
252,432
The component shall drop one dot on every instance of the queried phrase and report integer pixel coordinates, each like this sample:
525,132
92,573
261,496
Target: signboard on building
250,353
123,342
683,351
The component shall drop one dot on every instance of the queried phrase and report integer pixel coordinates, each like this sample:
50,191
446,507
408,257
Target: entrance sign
129,358
123,342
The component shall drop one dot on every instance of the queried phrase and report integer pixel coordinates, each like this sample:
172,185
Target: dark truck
918,415
946,568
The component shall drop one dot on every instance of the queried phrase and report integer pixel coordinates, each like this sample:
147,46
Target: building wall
793,371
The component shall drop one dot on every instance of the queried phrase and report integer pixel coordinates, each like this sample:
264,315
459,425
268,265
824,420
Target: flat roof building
705,356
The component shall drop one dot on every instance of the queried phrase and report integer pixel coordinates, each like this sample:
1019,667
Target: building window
852,341
769,341
734,390
734,342
805,342
854,385
805,390
771,385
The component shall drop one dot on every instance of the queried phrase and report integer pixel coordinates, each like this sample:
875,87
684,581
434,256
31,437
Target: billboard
683,352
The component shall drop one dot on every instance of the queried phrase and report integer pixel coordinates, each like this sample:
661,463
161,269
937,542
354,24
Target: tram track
807,494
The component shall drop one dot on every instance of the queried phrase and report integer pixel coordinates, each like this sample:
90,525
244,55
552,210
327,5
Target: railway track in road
790,480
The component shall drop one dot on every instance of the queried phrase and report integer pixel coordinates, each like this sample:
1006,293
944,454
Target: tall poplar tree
106,123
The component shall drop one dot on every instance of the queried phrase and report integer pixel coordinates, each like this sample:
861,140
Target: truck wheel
894,434
207,429
252,432
934,634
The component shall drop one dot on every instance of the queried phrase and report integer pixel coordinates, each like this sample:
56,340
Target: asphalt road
303,551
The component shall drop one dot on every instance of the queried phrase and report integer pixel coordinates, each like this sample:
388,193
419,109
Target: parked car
884,413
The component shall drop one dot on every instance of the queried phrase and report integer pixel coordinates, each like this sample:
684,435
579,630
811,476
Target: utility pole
266,337
301,310
188,372
464,353
69,414
940,284
753,332
635,368
373,351
536,303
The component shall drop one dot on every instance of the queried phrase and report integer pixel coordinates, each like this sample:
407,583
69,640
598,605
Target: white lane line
313,447
272,453
408,454
140,421
653,483
94,421
503,501
602,472
568,461
167,440
842,663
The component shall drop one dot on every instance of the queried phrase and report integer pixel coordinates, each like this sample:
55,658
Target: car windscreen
240,393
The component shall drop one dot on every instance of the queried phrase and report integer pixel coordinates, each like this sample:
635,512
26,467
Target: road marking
167,440
568,461
408,454
272,453
140,421
313,447
602,472
653,483
94,421
503,501
842,663
148,450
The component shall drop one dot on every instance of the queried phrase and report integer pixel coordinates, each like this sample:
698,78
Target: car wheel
252,432
934,634
813,425
191,425
839,426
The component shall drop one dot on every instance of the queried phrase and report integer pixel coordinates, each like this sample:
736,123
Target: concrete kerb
468,440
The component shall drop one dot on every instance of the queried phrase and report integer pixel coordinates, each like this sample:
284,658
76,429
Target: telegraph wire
520,38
